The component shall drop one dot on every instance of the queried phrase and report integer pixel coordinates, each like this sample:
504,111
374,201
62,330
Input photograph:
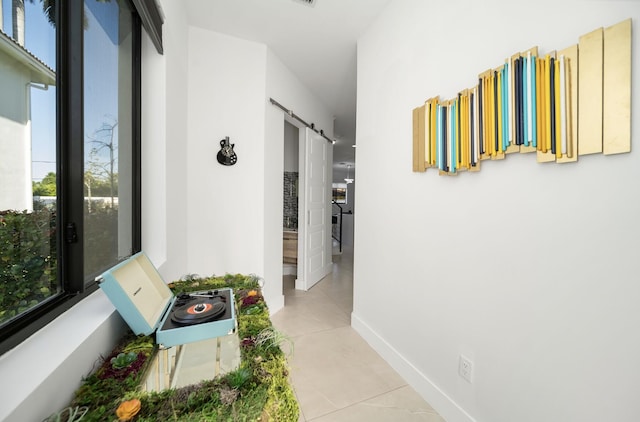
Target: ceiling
317,43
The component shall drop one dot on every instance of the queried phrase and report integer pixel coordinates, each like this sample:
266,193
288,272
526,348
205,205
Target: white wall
225,205
15,135
530,270
234,213
291,147
164,151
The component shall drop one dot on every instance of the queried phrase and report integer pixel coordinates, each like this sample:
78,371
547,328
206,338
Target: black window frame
70,170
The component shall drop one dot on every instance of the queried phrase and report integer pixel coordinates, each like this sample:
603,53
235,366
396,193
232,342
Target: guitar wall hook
226,155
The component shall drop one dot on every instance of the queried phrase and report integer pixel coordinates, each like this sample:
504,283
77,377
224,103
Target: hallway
336,375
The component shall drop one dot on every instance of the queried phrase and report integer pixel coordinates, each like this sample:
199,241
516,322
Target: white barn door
314,244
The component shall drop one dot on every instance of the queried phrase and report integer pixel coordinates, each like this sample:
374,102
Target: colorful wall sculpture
560,105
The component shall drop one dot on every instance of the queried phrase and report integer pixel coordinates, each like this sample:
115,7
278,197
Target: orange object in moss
252,293
128,409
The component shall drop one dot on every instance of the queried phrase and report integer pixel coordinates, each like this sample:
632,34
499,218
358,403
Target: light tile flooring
335,374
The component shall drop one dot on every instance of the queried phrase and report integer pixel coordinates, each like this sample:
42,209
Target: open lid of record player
138,292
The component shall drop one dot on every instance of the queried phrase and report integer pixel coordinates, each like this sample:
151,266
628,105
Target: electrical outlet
465,368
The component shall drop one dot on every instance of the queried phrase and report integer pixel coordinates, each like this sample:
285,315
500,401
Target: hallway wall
225,98
234,214
530,270
164,157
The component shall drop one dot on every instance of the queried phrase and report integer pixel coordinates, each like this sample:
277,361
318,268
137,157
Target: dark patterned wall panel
290,195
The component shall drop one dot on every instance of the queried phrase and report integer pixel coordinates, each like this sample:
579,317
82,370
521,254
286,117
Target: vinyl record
199,312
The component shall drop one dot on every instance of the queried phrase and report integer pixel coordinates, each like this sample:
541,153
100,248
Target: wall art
558,105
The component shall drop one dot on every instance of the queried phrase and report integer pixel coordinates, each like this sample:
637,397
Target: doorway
290,200
307,190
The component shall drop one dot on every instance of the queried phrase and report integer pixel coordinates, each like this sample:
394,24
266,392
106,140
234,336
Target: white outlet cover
465,368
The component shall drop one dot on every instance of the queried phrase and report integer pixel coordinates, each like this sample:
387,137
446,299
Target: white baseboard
440,401
275,304
289,269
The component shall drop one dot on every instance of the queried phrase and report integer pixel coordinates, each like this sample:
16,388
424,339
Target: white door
314,243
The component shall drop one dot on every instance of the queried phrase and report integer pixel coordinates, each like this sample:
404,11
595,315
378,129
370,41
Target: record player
148,306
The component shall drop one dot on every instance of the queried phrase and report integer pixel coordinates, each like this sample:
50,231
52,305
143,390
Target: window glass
29,186
69,154
108,41
339,193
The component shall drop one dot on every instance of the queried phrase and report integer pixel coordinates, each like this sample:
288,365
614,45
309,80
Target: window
108,140
340,193
69,152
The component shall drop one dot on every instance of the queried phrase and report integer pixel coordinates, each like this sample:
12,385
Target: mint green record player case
145,302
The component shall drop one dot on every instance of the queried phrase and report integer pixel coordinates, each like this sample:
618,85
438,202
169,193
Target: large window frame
70,169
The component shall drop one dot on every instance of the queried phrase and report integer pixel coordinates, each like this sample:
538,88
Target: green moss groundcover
257,391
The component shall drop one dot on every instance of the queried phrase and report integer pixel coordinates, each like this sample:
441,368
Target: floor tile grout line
356,403
318,332
331,289
363,401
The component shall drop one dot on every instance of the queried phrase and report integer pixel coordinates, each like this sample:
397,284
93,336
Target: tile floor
336,376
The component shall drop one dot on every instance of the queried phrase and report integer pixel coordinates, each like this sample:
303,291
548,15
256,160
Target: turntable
148,306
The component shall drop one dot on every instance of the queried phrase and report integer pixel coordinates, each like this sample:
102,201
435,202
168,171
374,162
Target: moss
258,391
281,403
102,391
